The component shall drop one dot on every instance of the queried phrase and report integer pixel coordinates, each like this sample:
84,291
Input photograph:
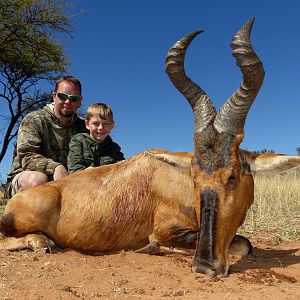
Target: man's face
66,108
99,128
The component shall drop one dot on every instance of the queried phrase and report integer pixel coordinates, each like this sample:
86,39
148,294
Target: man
44,136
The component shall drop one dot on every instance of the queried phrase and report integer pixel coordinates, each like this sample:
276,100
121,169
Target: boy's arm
75,156
120,155
111,154
116,152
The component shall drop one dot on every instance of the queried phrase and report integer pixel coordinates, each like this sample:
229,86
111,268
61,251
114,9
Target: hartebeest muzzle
221,187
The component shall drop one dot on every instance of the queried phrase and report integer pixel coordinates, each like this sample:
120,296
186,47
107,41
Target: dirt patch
272,273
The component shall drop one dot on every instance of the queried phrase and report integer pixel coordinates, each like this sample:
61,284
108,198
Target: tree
298,150
264,151
29,53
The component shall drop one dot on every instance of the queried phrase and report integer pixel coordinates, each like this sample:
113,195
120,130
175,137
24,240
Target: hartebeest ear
275,163
270,163
180,160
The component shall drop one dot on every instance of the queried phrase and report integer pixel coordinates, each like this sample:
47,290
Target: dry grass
275,212
3,201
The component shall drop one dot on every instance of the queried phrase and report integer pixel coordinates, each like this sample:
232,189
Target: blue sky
118,51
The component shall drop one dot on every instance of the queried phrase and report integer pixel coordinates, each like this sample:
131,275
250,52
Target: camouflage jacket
85,152
43,142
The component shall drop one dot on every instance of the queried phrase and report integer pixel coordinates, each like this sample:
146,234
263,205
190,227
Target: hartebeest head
223,191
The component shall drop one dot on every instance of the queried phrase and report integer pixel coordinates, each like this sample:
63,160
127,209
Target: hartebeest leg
176,239
155,248
151,248
240,246
35,242
28,212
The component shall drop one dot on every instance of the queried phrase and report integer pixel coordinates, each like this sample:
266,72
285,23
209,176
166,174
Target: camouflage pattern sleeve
30,148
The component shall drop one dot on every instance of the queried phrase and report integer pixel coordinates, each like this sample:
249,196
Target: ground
272,273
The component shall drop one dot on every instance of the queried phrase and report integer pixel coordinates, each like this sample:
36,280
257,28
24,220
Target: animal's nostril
223,271
205,270
204,267
209,268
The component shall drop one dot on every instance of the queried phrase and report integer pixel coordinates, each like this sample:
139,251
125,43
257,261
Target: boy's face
99,128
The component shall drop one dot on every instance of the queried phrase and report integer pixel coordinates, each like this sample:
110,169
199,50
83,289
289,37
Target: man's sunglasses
65,96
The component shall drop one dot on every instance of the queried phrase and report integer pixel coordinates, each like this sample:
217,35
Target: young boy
96,148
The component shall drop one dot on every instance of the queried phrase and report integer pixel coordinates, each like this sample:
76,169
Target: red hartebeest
159,199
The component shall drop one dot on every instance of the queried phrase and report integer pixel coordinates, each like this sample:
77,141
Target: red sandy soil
273,272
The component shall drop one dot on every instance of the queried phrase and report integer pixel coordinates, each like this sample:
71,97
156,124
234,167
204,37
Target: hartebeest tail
216,169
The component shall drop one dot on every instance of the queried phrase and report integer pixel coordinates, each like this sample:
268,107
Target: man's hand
60,172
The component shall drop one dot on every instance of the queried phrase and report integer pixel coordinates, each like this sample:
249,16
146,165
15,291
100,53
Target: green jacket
85,152
43,142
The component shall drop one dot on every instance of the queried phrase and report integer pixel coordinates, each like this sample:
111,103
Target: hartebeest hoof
151,248
240,246
155,248
35,242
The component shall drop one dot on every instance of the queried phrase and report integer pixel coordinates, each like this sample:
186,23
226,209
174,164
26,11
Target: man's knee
32,179
27,180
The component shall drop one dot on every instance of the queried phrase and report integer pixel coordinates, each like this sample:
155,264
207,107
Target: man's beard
66,114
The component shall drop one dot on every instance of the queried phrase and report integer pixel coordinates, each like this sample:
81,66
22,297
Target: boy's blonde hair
101,110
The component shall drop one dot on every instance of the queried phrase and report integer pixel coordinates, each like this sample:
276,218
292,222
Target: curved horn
204,111
232,115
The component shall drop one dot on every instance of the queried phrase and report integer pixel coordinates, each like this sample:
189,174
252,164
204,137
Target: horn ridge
203,109
232,115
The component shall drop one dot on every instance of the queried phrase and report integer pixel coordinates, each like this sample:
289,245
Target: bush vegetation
275,213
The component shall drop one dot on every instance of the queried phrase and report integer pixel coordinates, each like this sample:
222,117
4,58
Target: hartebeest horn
204,111
232,115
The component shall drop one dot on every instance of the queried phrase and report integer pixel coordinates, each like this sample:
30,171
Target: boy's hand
60,172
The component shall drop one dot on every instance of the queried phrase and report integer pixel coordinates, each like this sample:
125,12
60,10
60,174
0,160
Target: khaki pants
14,186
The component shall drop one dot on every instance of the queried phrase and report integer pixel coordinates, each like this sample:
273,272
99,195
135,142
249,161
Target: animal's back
108,208
114,213
123,207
